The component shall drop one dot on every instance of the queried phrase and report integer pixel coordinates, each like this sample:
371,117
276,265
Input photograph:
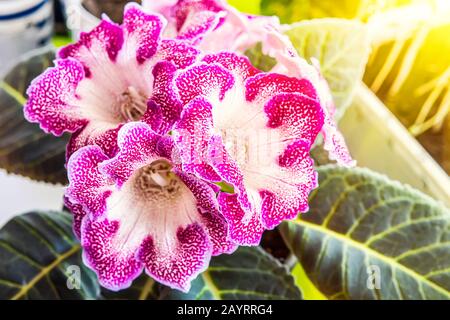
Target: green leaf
143,288
249,273
38,254
295,10
247,6
24,148
310,292
361,225
259,59
342,48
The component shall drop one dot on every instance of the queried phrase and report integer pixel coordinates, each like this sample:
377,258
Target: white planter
24,25
78,19
19,195
377,140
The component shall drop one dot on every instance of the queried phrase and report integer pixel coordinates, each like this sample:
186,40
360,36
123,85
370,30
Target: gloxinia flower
213,25
254,130
205,21
291,64
138,211
106,78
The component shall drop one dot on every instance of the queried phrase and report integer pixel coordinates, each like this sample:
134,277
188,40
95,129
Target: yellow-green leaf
342,48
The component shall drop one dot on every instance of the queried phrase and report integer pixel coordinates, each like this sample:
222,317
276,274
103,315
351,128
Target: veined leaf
39,259
24,148
310,292
249,273
143,288
362,228
342,48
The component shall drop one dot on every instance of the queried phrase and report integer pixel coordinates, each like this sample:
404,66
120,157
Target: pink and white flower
106,78
253,130
213,25
138,211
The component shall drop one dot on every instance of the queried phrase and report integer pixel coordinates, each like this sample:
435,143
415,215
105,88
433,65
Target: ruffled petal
53,101
178,264
240,66
98,135
143,31
242,231
178,52
265,85
212,219
101,44
165,105
106,79
138,146
78,214
285,194
193,18
87,185
141,212
210,80
115,265
192,134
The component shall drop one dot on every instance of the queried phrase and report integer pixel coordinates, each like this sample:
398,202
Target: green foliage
342,48
360,221
249,273
247,6
295,10
24,148
37,252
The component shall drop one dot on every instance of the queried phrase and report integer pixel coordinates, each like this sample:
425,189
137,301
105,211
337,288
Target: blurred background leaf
291,11
342,49
247,6
24,148
37,252
360,220
408,67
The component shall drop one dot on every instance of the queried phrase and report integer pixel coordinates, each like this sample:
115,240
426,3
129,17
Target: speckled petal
130,221
87,185
53,101
143,31
138,147
192,134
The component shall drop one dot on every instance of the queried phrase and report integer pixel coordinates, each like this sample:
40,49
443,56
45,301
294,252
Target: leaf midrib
44,271
370,251
13,92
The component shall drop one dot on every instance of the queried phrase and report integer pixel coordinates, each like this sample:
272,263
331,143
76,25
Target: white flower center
157,180
132,105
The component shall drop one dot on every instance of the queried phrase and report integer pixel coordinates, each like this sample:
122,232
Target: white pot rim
82,11
19,7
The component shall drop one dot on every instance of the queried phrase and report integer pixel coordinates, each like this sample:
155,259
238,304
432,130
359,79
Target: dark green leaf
38,256
24,148
249,273
360,223
143,288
